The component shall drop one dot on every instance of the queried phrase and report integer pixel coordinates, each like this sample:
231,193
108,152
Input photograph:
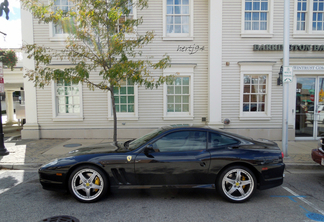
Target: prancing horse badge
129,158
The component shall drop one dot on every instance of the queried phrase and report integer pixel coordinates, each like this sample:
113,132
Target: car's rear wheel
236,184
88,184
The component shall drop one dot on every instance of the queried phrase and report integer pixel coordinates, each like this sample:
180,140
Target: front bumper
51,181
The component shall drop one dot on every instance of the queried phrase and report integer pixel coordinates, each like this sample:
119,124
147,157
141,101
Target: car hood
99,148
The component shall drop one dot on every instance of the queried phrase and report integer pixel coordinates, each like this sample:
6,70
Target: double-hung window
123,18
125,97
178,20
255,101
318,18
56,30
67,101
254,93
309,19
126,101
178,95
257,18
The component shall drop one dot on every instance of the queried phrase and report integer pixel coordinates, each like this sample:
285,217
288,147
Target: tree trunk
114,113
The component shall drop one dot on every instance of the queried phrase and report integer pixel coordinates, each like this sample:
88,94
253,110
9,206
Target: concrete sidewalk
30,154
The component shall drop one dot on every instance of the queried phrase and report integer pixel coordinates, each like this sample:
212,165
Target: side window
218,140
181,141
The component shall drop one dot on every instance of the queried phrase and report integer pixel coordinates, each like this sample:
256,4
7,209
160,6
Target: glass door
309,119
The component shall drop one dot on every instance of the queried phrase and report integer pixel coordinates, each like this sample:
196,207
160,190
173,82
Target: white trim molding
308,33
215,63
131,116
66,117
179,36
179,70
256,68
258,33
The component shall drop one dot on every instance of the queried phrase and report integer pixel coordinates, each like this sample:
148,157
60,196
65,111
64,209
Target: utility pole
285,103
3,150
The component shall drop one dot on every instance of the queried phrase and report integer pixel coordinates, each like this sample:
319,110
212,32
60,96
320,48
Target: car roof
188,126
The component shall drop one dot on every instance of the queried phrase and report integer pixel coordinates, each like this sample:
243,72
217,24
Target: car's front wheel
236,184
88,183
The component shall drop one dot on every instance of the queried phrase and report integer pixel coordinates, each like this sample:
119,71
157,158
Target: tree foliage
97,43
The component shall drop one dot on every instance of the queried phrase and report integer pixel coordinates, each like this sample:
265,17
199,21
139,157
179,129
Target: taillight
282,155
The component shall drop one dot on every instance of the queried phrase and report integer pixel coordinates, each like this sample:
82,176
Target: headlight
52,163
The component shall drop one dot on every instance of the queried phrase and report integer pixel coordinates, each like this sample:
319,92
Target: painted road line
304,200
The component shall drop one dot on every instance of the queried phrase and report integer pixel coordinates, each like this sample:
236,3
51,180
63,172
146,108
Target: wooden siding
237,48
150,111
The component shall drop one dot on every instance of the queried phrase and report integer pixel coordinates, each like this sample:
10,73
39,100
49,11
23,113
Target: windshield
144,139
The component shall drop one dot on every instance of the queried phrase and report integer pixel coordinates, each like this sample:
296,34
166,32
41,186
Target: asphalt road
300,198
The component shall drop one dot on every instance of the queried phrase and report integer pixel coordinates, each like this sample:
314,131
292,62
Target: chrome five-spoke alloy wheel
237,184
88,184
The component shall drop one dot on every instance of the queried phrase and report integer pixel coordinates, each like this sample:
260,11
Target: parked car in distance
310,114
170,157
318,154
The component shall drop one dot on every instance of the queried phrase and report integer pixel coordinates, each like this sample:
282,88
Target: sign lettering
279,47
191,49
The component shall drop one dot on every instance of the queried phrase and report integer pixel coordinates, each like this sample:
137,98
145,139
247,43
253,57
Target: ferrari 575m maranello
174,157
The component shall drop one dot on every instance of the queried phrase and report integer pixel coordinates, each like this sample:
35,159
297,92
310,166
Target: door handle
203,164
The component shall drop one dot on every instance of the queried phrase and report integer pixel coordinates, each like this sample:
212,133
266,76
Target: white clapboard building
228,54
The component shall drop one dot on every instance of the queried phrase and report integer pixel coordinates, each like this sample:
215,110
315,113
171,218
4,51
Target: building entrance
309,119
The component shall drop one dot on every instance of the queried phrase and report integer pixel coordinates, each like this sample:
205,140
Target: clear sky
11,27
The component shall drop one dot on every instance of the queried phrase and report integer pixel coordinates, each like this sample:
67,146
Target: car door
177,158
224,150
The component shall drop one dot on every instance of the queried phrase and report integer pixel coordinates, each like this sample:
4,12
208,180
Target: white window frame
256,68
124,116
179,36
62,37
130,36
65,117
308,32
179,71
56,37
258,33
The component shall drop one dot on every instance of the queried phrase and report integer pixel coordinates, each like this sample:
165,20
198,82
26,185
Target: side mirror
147,150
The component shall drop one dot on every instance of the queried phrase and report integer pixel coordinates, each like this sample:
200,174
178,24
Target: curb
303,166
27,166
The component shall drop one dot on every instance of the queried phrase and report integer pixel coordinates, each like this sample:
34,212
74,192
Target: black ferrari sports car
174,157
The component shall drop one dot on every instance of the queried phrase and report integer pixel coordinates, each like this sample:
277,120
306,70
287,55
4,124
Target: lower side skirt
205,186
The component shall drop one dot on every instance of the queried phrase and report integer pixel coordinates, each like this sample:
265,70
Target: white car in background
320,112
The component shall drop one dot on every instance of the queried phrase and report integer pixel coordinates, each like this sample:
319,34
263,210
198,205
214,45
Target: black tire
236,184
88,184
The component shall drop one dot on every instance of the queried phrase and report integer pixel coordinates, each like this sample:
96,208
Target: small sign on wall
287,73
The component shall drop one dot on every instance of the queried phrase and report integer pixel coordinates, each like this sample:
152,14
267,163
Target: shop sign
287,73
279,47
191,49
1,78
308,67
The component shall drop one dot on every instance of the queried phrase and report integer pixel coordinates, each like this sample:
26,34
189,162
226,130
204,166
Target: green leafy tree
100,41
